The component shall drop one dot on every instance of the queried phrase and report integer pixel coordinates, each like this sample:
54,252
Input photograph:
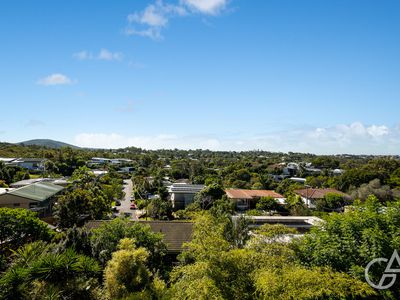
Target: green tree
347,242
267,203
159,209
126,273
331,202
209,194
78,205
194,282
19,226
309,284
41,271
105,239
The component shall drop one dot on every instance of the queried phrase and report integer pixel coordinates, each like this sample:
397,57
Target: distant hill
47,143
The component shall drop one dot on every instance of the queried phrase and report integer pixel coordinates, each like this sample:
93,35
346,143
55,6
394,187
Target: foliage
126,272
159,209
331,202
374,187
39,271
219,269
19,226
80,204
105,239
267,203
348,242
209,194
194,282
301,283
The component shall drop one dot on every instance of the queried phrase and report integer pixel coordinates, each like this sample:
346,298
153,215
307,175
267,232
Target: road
126,202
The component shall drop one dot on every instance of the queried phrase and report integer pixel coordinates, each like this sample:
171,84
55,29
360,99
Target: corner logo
389,274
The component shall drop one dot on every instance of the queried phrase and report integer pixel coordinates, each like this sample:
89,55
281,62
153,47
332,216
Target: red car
133,206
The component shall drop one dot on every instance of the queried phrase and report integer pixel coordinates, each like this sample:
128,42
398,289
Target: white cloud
83,55
103,54
150,21
108,55
55,79
153,15
354,138
153,33
211,7
377,131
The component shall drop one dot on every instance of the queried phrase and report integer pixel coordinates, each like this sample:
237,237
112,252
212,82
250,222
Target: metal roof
39,191
185,188
250,194
311,193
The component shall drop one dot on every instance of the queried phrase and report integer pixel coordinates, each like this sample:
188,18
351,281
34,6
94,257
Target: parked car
127,214
133,206
114,209
117,203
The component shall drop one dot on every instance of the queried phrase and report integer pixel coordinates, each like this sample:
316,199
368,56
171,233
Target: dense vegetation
119,259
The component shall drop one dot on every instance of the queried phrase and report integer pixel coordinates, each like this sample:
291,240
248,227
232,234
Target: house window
16,204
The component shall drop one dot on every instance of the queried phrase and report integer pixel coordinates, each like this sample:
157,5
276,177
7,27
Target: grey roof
175,233
25,182
39,191
57,181
185,188
31,160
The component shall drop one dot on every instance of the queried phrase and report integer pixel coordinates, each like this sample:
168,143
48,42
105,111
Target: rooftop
25,182
175,233
312,193
39,191
250,194
185,188
5,190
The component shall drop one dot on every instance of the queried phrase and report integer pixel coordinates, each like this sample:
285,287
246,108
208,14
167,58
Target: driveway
126,201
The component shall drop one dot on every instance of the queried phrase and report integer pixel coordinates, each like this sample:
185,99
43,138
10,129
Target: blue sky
301,75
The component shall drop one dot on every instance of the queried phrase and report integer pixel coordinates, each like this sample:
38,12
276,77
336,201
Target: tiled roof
318,193
39,191
250,194
174,233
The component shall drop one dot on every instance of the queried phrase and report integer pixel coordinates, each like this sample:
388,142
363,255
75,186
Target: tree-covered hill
47,143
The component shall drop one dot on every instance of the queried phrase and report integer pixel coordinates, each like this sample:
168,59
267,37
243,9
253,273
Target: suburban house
311,195
113,161
247,199
175,234
7,160
26,182
38,197
32,164
182,194
300,223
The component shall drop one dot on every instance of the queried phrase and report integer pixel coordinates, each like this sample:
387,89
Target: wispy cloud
55,79
354,138
151,20
161,141
103,54
126,108
34,123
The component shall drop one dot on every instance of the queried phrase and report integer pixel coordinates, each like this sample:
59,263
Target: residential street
126,203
